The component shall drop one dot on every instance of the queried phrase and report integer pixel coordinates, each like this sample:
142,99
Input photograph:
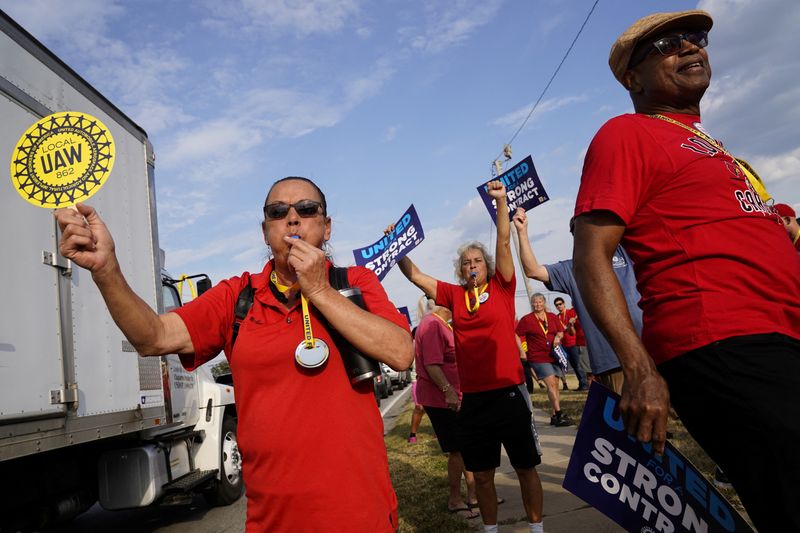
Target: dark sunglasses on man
670,45
304,208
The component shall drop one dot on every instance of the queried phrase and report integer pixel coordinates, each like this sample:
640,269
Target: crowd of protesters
669,232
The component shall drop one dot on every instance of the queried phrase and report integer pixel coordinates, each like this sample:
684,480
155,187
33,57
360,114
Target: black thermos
358,366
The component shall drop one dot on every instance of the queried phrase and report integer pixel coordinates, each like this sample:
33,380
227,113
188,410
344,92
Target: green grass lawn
419,476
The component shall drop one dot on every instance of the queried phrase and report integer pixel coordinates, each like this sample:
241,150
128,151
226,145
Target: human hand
572,320
308,262
85,239
644,407
520,219
452,400
496,189
389,229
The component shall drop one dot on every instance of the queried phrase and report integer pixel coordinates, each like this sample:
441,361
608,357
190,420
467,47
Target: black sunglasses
304,208
670,45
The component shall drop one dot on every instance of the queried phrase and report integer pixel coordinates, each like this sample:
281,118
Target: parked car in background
398,380
383,385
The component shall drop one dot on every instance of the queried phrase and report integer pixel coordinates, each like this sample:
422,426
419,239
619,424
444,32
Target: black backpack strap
337,277
243,304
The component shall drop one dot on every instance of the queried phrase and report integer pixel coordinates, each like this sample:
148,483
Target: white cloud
46,23
244,242
777,168
455,24
515,118
278,17
209,140
752,102
361,88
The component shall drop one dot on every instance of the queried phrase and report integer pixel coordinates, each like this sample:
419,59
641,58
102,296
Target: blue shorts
546,369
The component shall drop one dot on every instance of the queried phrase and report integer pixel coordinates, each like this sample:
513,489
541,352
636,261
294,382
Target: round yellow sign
62,159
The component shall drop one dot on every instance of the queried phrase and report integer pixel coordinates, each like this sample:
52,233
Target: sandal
469,513
474,505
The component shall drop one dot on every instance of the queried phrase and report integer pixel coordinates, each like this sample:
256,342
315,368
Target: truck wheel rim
231,459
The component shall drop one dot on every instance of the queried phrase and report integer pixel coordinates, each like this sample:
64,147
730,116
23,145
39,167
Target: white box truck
83,418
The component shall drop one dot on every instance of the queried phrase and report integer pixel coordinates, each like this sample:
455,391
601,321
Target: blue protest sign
640,491
560,356
404,311
523,189
388,250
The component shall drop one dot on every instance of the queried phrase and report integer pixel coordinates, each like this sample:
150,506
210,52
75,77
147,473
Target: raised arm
530,265
504,260
422,280
645,397
86,241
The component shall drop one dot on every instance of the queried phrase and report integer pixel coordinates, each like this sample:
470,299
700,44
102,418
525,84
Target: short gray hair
463,249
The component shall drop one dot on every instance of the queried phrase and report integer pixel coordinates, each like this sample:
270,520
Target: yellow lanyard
446,323
307,333
477,298
544,325
750,174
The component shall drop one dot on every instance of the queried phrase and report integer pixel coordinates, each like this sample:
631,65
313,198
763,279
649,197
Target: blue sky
390,103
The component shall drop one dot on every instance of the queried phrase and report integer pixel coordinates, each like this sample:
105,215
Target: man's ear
631,81
264,231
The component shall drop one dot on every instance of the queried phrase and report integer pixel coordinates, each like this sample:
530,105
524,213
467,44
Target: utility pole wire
552,77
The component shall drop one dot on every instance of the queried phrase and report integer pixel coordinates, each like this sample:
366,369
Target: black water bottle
358,366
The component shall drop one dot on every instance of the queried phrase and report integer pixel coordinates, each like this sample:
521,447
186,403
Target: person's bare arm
422,280
86,241
436,374
645,397
527,258
504,260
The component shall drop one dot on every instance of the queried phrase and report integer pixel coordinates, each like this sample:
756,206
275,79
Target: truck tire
230,485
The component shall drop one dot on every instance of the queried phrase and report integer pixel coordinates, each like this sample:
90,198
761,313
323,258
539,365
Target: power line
552,77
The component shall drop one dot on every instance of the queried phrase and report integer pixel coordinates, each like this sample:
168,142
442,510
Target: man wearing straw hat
721,331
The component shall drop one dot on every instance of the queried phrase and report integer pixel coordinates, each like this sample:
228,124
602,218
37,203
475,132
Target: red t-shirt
539,342
312,444
486,349
434,344
568,341
711,260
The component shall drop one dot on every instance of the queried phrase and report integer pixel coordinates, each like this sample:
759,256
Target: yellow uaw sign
62,159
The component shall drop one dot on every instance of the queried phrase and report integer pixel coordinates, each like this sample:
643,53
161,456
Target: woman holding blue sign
495,407
542,331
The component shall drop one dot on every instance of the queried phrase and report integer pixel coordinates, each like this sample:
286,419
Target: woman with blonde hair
495,406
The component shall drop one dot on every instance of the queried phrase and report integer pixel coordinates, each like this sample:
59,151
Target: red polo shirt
486,349
312,444
539,342
568,341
